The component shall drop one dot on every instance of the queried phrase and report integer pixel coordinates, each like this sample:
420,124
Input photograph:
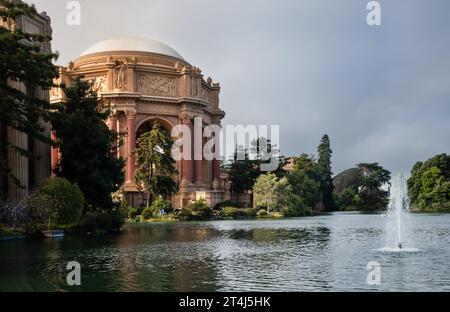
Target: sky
313,67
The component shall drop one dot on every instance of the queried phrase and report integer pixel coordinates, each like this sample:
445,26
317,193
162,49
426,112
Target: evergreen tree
87,147
22,61
326,179
155,166
242,170
304,181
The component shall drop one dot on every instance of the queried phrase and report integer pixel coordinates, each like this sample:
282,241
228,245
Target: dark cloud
313,67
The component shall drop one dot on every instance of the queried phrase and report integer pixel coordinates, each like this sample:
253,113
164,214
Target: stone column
217,182
55,154
198,151
131,146
216,173
112,124
186,164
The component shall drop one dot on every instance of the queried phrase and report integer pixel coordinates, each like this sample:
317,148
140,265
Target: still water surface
326,253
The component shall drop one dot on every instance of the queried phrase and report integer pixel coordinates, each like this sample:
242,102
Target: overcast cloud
313,67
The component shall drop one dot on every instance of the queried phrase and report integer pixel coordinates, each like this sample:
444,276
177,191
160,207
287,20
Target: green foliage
63,202
162,205
242,170
148,213
305,182
88,149
238,214
100,221
262,213
22,60
429,184
278,195
324,168
132,213
198,210
224,204
265,191
364,189
4,231
346,200
155,166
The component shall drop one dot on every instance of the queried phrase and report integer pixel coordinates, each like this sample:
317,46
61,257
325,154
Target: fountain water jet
397,228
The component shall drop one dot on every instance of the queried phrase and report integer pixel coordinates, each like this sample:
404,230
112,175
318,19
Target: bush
5,231
63,202
147,213
262,213
132,213
101,222
197,210
221,206
295,207
162,205
238,214
117,220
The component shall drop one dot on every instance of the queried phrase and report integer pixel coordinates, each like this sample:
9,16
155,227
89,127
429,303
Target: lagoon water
325,253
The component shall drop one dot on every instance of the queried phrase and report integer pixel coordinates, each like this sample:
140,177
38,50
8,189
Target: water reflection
321,253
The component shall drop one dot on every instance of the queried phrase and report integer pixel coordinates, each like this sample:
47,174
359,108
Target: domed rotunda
145,81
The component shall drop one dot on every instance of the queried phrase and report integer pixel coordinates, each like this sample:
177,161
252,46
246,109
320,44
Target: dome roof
135,44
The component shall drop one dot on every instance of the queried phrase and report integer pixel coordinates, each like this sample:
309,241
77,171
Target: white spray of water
397,221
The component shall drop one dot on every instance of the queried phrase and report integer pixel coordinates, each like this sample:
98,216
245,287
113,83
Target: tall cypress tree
87,147
22,61
326,179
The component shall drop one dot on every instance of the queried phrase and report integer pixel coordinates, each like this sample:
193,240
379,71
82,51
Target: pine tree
87,147
22,61
326,179
155,166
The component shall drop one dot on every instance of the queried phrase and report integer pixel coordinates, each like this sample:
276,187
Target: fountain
397,224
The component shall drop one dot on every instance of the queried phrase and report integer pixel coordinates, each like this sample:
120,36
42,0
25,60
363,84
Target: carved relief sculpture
99,84
157,85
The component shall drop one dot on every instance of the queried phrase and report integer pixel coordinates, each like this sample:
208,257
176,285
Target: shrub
223,205
132,213
162,205
262,213
147,213
63,202
99,221
117,220
5,231
198,210
238,214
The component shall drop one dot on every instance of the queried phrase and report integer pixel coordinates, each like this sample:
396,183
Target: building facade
146,81
30,171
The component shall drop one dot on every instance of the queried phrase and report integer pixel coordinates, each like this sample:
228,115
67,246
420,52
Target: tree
305,186
22,61
155,166
429,184
363,187
243,172
88,149
373,178
266,153
326,179
63,202
265,191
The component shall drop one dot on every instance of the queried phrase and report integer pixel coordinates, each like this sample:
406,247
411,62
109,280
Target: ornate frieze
157,85
99,83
